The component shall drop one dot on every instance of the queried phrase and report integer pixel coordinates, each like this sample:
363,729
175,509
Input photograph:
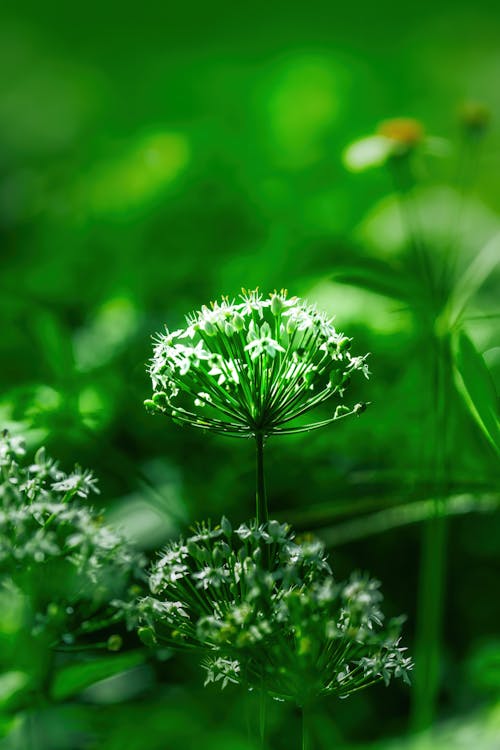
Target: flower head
78,570
250,366
287,625
404,132
394,140
475,118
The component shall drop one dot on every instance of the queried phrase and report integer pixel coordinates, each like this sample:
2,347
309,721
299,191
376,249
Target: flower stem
262,718
433,558
306,735
261,510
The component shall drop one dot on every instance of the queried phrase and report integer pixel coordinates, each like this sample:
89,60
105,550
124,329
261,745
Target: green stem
433,561
404,183
433,556
262,718
261,510
429,625
306,732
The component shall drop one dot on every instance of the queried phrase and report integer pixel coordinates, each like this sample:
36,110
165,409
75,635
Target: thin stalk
262,718
433,559
465,178
404,183
433,556
261,509
29,732
306,730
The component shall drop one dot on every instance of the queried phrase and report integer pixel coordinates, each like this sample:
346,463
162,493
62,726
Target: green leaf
11,684
375,276
53,344
76,677
405,515
477,388
475,276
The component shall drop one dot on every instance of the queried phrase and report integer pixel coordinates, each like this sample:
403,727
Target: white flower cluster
286,625
252,366
55,546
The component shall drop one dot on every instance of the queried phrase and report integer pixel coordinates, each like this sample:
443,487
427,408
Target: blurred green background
155,156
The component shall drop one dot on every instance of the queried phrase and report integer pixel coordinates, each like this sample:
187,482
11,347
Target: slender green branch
466,174
262,718
404,183
433,559
433,556
261,510
306,731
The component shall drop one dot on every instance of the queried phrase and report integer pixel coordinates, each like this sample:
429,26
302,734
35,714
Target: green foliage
151,157
477,388
74,678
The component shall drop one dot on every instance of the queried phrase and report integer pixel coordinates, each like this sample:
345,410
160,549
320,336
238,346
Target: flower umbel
79,572
253,366
287,627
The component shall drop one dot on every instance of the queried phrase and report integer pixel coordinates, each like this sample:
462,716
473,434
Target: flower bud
277,305
475,118
209,328
238,322
265,330
359,408
344,344
218,556
199,553
226,527
147,636
151,406
160,399
405,133
336,378
115,642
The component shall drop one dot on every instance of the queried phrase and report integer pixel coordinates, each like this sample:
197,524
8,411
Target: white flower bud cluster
48,535
287,625
256,365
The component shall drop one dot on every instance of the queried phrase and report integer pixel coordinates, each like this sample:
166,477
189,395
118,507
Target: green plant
263,609
253,369
288,628
65,580
433,278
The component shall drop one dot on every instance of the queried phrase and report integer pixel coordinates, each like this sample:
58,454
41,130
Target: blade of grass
405,515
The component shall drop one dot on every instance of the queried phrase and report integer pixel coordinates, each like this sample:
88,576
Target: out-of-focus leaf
153,162
76,677
112,326
478,730
433,210
53,344
404,515
475,275
484,667
11,683
300,107
374,275
477,388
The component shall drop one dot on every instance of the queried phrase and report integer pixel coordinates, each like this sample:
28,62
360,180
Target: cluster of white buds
253,366
54,545
287,626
